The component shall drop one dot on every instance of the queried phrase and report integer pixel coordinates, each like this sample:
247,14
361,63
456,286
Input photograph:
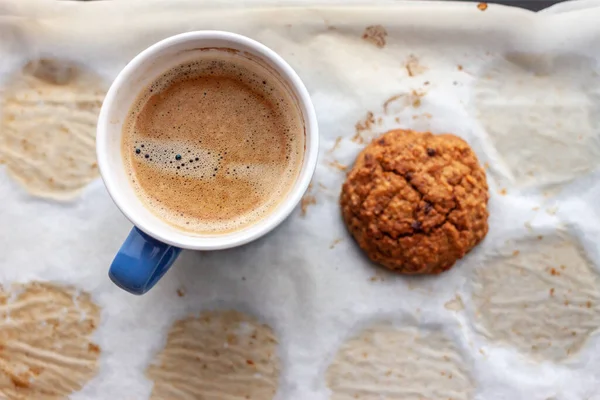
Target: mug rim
226,240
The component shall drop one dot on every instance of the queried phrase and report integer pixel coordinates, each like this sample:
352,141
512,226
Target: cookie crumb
335,164
307,200
363,126
416,98
334,243
335,145
413,68
376,35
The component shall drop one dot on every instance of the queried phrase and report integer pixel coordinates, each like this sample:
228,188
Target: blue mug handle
141,262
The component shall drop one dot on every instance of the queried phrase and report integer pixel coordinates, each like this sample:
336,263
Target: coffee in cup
213,145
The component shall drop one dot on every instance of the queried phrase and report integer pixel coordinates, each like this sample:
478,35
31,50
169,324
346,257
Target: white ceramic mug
153,245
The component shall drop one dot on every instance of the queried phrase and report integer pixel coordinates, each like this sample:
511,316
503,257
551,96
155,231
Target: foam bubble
213,145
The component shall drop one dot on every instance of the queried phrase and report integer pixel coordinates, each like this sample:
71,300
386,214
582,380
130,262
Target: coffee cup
154,244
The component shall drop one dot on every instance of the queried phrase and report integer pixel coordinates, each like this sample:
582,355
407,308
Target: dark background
534,5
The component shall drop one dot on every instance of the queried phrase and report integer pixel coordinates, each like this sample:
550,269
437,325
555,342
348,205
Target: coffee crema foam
213,145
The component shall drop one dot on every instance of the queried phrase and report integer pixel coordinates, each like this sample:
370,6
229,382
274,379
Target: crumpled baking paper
517,318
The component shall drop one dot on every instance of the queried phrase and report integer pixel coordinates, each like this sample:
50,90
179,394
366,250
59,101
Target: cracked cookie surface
416,202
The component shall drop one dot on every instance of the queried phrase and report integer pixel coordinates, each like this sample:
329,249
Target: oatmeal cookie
416,202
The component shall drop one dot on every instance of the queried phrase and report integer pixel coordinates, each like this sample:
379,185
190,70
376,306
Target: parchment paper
515,319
